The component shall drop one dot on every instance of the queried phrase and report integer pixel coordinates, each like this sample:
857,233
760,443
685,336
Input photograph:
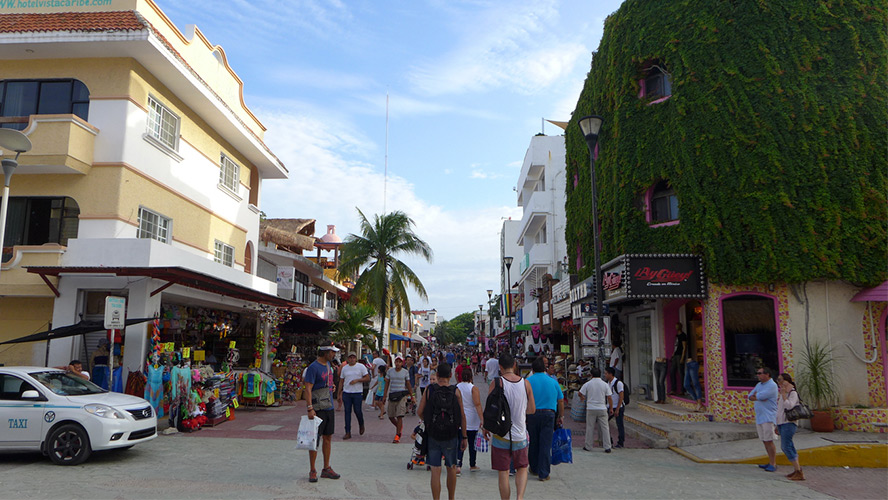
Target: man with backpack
618,399
445,421
509,402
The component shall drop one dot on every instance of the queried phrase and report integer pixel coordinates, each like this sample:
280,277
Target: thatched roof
295,235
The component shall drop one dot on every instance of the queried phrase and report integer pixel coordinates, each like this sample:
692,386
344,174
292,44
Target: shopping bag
481,444
307,436
369,399
561,443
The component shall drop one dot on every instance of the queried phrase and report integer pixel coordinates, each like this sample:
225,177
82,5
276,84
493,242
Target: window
656,83
540,236
12,388
317,298
331,300
229,176
750,332
35,221
663,203
224,254
541,184
153,225
163,124
300,287
23,98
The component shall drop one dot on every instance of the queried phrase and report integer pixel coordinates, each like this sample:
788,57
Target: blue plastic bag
561,447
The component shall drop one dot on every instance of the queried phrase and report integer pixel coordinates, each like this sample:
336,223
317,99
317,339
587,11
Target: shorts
326,428
449,450
765,431
397,408
377,398
501,458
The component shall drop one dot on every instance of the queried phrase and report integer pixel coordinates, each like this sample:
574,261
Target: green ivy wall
774,139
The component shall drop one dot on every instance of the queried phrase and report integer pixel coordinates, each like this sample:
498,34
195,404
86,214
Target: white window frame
223,254
158,115
229,173
541,236
152,234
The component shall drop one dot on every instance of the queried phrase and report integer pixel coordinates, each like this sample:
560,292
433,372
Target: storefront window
40,220
750,333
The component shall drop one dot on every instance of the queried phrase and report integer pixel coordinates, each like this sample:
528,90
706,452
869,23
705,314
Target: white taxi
68,417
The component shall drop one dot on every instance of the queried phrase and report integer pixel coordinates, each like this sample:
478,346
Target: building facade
144,182
730,208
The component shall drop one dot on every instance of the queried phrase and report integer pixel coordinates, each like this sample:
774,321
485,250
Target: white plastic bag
369,399
307,436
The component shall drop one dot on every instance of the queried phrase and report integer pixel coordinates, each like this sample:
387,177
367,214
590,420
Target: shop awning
877,293
174,276
307,313
395,336
71,330
418,339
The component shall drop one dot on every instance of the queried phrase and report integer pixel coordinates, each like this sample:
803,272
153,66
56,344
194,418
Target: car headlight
103,411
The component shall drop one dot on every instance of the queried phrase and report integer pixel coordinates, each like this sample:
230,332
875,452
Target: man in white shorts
765,396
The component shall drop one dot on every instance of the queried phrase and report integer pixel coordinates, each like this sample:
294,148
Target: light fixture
18,142
590,125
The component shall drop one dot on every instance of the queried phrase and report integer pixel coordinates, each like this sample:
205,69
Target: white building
541,194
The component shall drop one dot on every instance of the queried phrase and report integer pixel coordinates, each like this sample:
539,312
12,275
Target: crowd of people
452,415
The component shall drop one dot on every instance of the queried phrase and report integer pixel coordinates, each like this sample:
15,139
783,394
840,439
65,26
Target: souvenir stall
299,337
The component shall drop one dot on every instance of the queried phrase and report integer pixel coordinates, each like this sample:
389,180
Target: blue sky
468,83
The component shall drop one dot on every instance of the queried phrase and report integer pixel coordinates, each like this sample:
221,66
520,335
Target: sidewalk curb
872,456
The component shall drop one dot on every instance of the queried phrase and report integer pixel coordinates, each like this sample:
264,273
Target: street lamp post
18,142
490,315
590,126
508,262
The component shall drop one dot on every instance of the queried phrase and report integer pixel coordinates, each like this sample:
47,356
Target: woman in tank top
471,399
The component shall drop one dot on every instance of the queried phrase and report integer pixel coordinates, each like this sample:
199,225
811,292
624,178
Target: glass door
641,351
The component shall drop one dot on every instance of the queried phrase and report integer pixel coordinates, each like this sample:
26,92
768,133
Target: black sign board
654,276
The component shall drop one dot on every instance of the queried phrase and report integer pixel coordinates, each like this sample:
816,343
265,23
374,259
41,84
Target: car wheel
68,445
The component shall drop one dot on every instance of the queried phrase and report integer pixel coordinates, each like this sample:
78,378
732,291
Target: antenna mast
385,179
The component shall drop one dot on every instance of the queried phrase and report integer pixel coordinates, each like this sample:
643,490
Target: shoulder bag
799,411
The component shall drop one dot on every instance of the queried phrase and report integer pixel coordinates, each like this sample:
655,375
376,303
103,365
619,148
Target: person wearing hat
397,388
318,389
352,378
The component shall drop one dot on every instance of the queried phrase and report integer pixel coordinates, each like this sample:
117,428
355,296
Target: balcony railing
60,143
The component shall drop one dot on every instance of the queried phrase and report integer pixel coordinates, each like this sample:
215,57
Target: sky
468,84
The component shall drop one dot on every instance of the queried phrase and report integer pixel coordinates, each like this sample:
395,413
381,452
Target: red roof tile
71,21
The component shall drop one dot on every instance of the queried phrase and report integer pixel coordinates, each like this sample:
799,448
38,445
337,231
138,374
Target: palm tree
351,325
384,280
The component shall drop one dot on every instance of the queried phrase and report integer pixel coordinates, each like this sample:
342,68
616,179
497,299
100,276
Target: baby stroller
420,448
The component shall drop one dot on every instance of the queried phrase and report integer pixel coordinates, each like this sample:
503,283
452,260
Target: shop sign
588,308
590,331
286,275
614,281
115,312
589,351
565,349
665,276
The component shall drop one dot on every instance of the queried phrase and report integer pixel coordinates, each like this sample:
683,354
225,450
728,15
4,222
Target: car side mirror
32,395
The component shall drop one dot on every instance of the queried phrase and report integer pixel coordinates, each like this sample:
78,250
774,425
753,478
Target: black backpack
445,420
625,391
497,414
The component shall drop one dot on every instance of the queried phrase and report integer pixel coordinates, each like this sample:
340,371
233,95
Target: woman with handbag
787,400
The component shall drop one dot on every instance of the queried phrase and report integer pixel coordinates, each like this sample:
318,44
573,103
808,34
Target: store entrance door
640,351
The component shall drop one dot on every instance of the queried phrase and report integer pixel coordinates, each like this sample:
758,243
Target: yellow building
143,181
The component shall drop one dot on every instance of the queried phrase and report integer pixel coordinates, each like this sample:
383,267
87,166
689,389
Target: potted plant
817,383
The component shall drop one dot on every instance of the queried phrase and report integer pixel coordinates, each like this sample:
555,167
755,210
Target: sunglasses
759,373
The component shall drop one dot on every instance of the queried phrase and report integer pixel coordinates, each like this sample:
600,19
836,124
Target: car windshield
64,384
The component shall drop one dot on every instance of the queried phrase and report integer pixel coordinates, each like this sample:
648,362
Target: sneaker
607,450
329,474
770,468
763,466
474,469
362,430
397,439
313,476
511,473
587,449
793,473
618,446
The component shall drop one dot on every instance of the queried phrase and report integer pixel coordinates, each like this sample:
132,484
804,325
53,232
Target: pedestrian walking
618,389
445,421
318,389
512,450
764,394
424,375
352,377
379,388
596,393
492,367
460,367
398,387
541,424
616,359
788,399
676,364
471,401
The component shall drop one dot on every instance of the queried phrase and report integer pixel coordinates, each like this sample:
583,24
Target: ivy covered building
741,173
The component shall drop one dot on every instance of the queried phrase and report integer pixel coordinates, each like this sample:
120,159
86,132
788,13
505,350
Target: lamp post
590,126
508,262
16,141
490,315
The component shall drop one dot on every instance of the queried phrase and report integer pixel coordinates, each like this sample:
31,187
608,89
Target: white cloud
506,45
481,174
318,78
329,177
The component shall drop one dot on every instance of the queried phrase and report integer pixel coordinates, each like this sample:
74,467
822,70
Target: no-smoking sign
590,331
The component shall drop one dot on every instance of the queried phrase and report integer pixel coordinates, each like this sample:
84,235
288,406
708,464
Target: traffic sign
590,331
115,312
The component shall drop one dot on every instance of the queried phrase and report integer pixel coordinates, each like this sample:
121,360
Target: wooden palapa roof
294,235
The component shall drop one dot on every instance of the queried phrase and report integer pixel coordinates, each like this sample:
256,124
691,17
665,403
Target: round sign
590,331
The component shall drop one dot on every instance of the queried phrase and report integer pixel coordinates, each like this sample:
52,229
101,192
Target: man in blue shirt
541,424
764,394
318,389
